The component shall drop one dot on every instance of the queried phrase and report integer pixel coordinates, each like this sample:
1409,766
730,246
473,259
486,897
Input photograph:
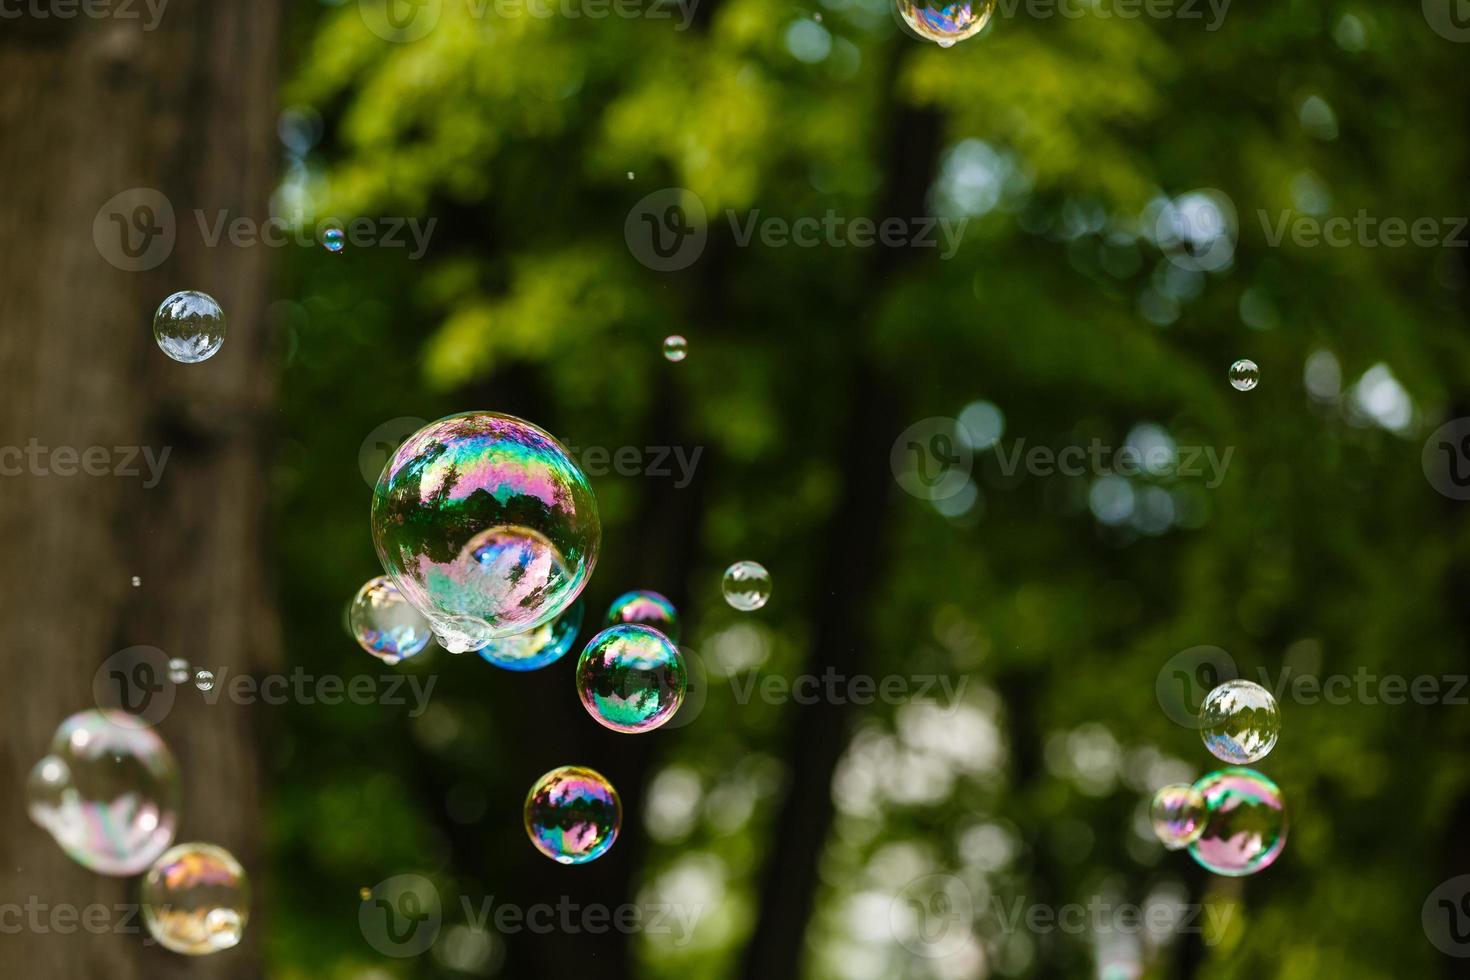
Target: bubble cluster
196,899
946,23
189,327
178,670
137,582
631,678
747,586
536,648
486,526
573,815
1178,815
108,792
676,348
645,608
1245,823
1239,722
385,624
334,240
1244,375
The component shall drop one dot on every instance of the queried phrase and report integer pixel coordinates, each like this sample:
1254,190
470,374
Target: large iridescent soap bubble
196,899
1178,815
946,21
108,792
631,678
573,815
385,624
486,525
645,607
539,647
1239,722
1245,823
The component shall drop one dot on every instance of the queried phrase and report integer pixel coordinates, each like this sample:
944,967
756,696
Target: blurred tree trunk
182,105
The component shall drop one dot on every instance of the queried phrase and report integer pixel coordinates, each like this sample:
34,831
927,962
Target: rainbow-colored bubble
1245,823
1178,815
631,678
644,607
385,624
486,525
945,23
108,792
543,645
573,815
196,899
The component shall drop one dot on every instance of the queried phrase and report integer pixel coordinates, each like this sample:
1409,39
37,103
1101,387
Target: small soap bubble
137,582
1244,375
631,678
644,607
946,21
384,624
1239,722
204,680
189,327
108,792
196,899
536,648
573,815
676,348
178,670
1245,823
747,586
630,175
1178,815
334,240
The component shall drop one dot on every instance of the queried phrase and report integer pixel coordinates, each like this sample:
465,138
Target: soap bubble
108,792
196,899
334,240
483,517
461,634
573,815
645,608
189,327
1239,722
1245,823
1178,815
543,645
631,678
137,582
178,670
1244,375
747,586
945,23
676,348
204,680
384,624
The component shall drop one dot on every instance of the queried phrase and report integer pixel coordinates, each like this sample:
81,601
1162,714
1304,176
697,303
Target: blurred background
1099,207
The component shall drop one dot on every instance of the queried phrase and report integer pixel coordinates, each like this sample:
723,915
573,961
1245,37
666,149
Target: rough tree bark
92,107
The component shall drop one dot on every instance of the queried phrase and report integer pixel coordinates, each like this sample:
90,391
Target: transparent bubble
676,348
543,645
1178,815
1245,823
631,678
486,525
204,680
384,623
1244,375
189,327
747,586
334,240
196,899
573,815
178,670
945,23
108,792
137,582
644,607
1239,722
